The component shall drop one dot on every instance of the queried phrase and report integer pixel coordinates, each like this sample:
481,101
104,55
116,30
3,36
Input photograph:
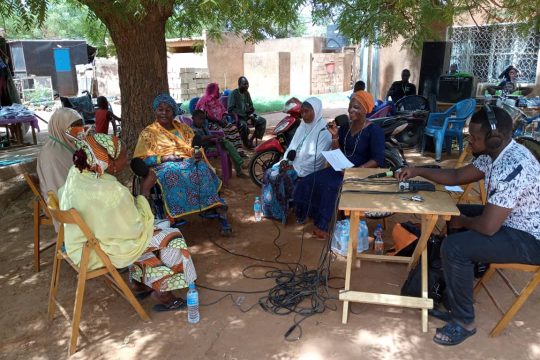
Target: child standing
200,129
103,115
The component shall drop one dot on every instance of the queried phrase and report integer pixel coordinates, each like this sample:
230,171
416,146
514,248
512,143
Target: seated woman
56,156
217,116
509,85
187,181
362,142
307,144
158,259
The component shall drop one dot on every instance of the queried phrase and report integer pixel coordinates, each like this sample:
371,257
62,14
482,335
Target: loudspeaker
453,89
435,61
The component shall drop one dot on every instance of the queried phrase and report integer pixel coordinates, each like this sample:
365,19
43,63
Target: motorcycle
415,110
270,152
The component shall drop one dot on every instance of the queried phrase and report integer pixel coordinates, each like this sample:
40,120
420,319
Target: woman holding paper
362,143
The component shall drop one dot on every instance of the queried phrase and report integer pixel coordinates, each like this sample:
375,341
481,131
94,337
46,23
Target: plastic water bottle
363,243
257,209
378,244
193,316
344,237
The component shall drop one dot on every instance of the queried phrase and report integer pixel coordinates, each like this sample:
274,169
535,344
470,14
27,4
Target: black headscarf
505,75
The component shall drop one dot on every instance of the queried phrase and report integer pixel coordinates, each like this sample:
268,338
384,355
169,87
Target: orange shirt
102,121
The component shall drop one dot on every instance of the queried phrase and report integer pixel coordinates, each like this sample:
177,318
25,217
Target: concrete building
482,53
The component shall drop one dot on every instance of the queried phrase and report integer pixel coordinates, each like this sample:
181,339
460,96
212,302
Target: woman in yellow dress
187,181
158,258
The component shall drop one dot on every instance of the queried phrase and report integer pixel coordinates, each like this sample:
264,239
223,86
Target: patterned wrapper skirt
166,264
188,187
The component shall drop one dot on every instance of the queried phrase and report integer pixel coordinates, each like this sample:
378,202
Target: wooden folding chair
42,216
521,297
112,276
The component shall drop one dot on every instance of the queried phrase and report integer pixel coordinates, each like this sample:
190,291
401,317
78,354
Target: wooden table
435,205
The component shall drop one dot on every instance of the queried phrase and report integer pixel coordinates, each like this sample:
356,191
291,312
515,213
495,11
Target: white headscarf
309,140
56,156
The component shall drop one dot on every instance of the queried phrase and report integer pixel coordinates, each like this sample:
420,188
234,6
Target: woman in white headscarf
56,157
310,139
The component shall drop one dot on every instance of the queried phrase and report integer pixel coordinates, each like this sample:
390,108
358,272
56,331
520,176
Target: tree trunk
142,70
142,62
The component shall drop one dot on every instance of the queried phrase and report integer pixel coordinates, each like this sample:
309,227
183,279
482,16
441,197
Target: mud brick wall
324,82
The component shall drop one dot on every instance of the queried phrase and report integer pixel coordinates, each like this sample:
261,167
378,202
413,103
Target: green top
239,103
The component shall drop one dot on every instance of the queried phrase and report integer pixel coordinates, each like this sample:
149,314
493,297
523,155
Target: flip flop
177,304
455,333
441,315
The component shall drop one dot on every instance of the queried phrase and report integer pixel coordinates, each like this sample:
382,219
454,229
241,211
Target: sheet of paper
337,159
454,188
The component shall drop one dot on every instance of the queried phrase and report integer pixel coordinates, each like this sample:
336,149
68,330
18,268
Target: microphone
388,173
139,167
291,155
341,120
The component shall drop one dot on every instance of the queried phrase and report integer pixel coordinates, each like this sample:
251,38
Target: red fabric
102,121
209,103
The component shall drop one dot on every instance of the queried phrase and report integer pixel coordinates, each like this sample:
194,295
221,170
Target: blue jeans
460,250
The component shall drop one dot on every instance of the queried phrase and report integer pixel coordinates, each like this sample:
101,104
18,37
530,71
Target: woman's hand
197,156
406,173
332,129
168,158
148,182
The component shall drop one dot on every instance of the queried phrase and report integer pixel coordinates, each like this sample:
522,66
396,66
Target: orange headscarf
365,99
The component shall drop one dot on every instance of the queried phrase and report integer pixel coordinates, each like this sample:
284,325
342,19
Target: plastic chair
521,296
112,277
226,165
42,216
443,127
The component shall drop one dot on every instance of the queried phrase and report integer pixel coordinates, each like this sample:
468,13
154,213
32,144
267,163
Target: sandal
176,304
226,229
319,234
455,334
140,295
440,314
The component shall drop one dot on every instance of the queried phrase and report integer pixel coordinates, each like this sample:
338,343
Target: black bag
436,283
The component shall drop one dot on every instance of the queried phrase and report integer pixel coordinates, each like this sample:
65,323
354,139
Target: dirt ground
112,330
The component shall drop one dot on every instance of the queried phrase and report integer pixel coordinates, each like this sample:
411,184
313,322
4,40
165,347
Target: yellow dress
124,225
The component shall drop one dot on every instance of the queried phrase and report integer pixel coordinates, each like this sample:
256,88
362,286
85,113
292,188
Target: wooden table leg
428,224
19,134
351,256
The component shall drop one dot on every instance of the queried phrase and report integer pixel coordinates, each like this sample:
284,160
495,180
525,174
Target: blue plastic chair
443,127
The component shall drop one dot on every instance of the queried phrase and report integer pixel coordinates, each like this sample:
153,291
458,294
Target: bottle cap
192,285
256,198
379,226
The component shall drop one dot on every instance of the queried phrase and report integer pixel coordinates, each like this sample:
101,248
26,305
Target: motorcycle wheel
260,163
411,137
392,159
